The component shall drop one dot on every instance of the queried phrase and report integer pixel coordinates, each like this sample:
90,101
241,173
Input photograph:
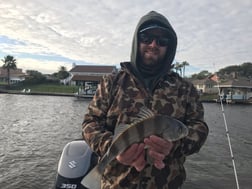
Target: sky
44,35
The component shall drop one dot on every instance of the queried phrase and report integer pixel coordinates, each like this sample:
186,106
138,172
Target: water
34,130
212,167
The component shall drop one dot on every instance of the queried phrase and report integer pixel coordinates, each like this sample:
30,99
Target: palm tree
62,68
63,73
178,67
9,63
184,64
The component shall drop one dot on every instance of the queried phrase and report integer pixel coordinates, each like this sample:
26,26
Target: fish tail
93,179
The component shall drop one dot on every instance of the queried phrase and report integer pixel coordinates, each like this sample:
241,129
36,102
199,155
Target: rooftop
95,69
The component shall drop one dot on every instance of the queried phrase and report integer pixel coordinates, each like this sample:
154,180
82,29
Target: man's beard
150,66
151,60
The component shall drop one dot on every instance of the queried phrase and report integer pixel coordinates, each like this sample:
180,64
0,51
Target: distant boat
82,95
85,93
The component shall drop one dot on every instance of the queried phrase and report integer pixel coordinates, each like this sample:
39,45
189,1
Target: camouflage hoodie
119,98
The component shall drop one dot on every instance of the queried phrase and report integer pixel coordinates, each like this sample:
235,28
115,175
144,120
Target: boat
85,93
75,162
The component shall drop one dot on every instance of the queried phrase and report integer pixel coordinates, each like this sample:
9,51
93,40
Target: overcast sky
46,34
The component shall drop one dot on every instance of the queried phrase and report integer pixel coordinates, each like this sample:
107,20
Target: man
146,81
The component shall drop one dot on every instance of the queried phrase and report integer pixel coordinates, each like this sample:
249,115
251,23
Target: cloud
44,66
100,32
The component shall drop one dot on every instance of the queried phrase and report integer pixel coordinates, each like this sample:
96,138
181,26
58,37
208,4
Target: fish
145,124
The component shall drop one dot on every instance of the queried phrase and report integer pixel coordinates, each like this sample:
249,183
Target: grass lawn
208,97
53,88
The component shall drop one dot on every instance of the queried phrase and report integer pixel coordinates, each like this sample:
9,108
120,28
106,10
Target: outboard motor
75,162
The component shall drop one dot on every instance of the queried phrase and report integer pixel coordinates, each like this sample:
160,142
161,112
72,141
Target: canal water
35,129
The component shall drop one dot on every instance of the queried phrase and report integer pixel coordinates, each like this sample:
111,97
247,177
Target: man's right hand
133,156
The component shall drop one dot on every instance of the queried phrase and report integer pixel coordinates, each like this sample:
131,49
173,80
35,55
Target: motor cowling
75,162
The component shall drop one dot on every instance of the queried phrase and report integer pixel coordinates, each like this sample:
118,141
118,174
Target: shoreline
67,95
45,94
88,96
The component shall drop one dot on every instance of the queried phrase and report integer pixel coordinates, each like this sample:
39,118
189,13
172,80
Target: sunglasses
148,39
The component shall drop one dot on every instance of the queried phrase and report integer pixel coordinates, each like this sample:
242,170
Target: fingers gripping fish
147,123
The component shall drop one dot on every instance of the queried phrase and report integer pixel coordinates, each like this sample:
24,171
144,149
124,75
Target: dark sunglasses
147,39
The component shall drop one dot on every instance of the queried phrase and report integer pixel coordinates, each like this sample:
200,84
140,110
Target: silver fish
146,124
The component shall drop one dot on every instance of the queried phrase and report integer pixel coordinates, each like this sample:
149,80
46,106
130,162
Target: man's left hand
158,149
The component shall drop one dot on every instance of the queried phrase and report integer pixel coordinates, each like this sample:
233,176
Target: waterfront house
206,85
236,90
87,77
16,75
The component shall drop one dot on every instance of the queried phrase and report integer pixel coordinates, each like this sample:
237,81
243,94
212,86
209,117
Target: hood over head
149,21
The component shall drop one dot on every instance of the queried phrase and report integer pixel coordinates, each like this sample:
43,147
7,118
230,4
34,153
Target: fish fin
93,179
143,114
120,129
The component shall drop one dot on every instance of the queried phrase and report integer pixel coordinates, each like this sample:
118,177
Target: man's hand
133,156
158,149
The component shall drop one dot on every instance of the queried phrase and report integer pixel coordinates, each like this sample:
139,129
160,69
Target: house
236,90
87,77
86,73
206,85
16,75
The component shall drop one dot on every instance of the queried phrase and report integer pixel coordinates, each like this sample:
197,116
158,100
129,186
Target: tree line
10,63
243,70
